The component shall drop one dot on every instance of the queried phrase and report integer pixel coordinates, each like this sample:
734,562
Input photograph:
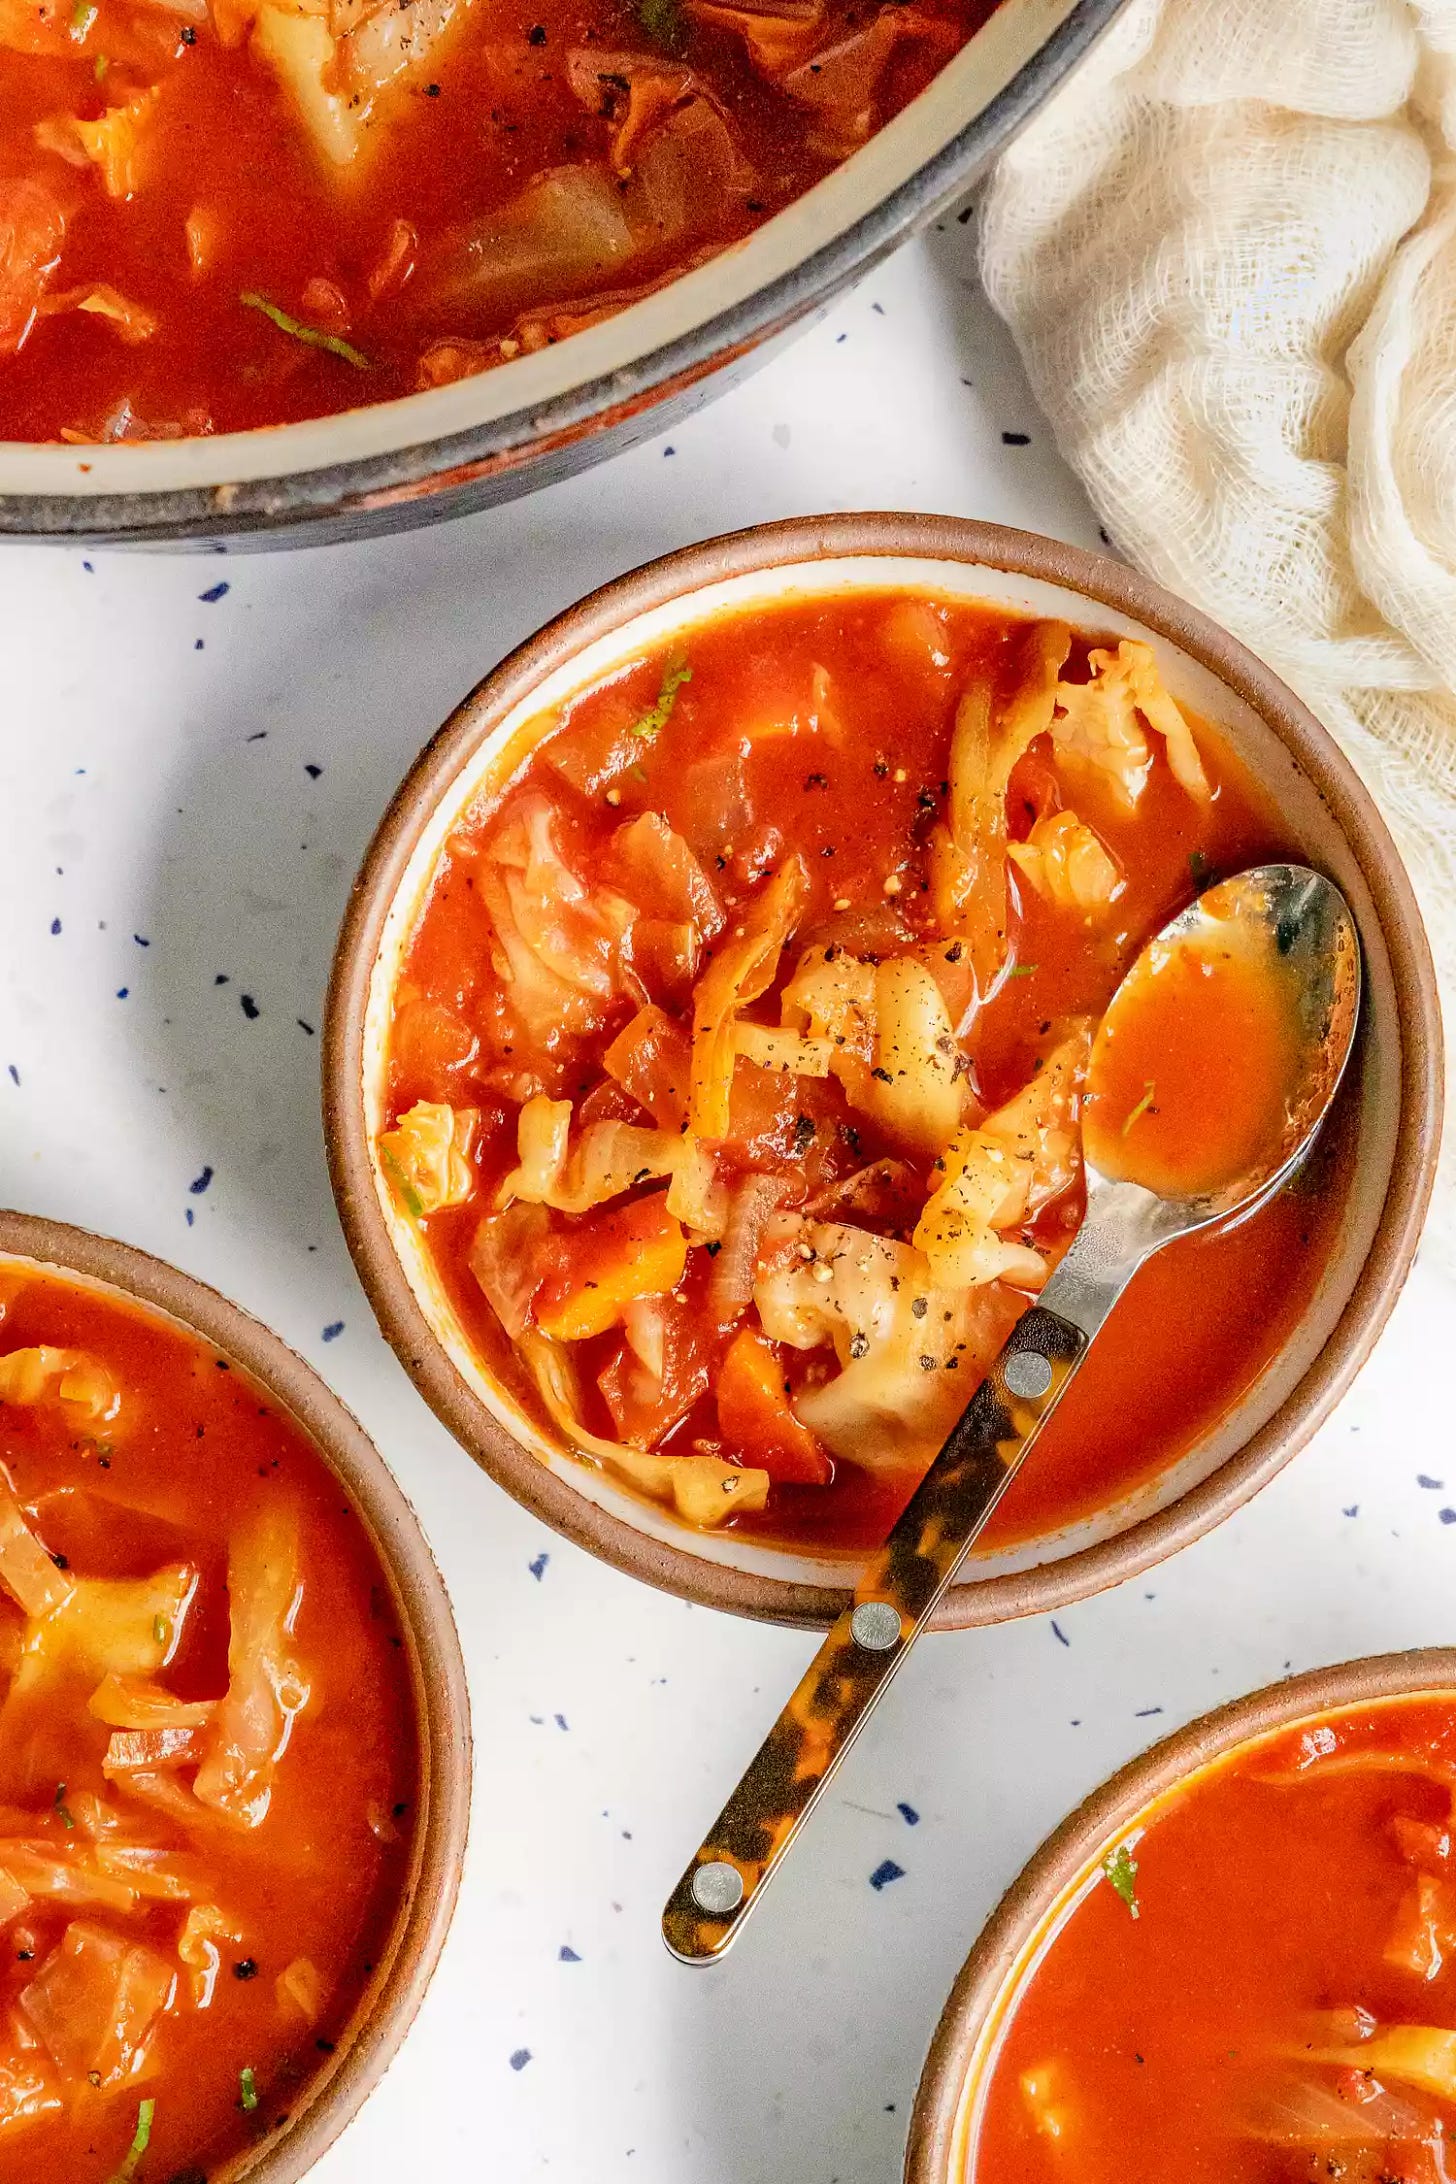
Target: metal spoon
1295,928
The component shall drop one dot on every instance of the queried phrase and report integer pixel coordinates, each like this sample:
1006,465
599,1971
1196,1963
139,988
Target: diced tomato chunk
644,1407
756,1421
604,1261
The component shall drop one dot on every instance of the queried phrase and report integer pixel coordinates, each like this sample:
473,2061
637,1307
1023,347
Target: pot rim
987,1978
441,1698
675,578
519,414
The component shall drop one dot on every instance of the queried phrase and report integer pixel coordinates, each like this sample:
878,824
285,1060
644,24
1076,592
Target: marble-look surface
195,751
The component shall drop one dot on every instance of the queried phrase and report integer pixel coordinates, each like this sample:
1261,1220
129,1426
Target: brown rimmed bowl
386,2010
1395,1095
963,2054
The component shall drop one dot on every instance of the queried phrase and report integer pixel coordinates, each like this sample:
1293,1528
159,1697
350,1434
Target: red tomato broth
1201,1323
195,1449
1265,1895
462,134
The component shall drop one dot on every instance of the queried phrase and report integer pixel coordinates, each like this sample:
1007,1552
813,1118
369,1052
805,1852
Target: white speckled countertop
195,751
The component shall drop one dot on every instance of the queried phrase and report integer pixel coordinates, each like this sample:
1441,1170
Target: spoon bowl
1269,961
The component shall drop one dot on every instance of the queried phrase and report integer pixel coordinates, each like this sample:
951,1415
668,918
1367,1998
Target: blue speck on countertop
908,1814
14,1072
1448,1516
333,1331
560,1721
1353,1510
519,2058
1016,439
1422,1480
141,940
214,592
55,925
122,992
313,772
885,1872
200,1182
1145,1712
249,1007
1059,1634
538,1567
567,1955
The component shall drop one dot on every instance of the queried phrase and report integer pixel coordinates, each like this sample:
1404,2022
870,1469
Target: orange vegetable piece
607,1259
755,1418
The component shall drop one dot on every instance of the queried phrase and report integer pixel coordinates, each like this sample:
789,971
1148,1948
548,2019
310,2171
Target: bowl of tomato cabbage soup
708,1039
277,263
1236,1961
233,1734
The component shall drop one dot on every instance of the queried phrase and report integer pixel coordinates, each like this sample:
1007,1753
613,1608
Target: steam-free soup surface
207,1751
737,1060
1260,1987
216,214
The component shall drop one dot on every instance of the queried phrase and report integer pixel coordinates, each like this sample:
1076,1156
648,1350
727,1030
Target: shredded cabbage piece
427,1154
95,2001
45,1374
770,1047
135,1702
1099,724
996,1176
299,1987
888,1038
609,1158
1421,2056
113,143
266,1688
197,1948
1067,864
967,856
911,1351
742,971
558,950
26,1570
703,1490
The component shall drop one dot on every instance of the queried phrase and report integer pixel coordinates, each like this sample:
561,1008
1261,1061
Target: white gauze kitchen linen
1227,251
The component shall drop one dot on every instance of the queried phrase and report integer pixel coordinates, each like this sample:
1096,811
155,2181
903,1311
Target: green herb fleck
1142,1108
83,15
1199,866
141,2139
67,1817
161,1629
652,723
286,324
638,773
248,2088
102,64
663,23
402,1183
1025,970
1120,1866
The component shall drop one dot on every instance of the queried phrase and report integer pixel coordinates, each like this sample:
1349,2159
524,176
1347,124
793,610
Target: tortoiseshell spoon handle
893,1601
1304,924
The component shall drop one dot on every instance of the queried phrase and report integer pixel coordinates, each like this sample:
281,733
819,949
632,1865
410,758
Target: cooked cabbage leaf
741,972
427,1154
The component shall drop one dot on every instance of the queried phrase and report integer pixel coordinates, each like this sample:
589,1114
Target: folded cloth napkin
1227,251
